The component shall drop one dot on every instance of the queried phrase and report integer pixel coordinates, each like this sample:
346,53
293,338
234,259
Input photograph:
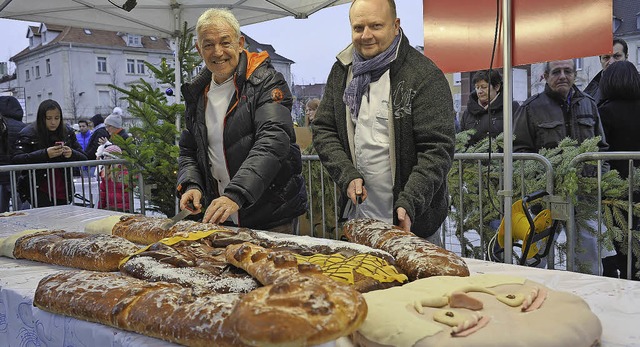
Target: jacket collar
247,65
574,93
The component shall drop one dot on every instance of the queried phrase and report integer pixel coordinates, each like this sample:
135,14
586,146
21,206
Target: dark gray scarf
365,72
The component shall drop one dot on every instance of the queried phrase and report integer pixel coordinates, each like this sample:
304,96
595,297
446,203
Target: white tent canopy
162,18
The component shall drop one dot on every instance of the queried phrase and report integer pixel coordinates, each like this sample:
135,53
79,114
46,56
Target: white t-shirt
219,97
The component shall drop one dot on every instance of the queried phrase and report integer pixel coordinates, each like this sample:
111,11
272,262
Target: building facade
75,67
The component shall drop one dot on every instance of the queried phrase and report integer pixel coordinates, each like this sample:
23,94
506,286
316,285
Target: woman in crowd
310,110
484,110
620,114
48,140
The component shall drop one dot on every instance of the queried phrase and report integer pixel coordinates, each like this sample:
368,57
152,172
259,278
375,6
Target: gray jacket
423,132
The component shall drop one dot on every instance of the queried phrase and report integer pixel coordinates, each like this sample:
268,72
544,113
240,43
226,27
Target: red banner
459,34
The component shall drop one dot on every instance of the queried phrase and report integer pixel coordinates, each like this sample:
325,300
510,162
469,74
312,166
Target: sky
314,42
311,43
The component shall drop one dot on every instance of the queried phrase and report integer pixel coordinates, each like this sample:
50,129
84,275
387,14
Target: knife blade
358,202
178,217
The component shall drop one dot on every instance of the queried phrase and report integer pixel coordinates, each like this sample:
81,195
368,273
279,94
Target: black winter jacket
94,143
477,117
621,121
14,126
29,150
263,159
593,88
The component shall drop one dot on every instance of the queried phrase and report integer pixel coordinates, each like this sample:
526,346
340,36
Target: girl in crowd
48,140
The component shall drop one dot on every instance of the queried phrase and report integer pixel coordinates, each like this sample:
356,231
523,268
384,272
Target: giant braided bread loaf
415,256
147,230
163,310
299,306
97,252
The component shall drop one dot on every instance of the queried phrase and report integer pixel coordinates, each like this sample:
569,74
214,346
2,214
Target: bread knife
178,217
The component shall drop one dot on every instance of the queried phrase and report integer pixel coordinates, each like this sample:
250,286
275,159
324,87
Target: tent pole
4,4
507,95
177,65
178,83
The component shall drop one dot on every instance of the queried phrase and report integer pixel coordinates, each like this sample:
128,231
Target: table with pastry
74,276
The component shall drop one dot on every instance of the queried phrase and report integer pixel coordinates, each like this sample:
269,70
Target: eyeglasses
558,72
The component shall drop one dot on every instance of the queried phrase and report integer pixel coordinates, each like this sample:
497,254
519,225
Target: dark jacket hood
97,120
10,107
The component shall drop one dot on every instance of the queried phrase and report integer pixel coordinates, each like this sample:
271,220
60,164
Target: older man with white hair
239,161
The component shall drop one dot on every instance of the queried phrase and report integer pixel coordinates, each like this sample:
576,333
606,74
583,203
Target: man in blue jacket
238,161
84,134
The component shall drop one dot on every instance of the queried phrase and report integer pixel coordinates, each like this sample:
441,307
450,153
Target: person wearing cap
113,123
11,112
99,131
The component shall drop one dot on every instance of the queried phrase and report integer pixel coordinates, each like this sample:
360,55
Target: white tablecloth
615,302
22,324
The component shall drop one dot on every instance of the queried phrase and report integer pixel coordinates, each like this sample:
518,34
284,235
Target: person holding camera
48,140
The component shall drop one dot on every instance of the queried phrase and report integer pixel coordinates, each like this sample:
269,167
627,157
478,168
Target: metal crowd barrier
85,190
571,223
482,163
320,187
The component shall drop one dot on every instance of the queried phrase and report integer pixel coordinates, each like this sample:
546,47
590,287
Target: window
27,75
617,22
638,55
102,64
131,66
457,78
579,63
134,40
37,71
48,66
105,99
87,32
50,95
140,66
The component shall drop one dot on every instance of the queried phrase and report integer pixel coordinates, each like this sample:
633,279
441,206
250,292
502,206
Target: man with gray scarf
383,129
